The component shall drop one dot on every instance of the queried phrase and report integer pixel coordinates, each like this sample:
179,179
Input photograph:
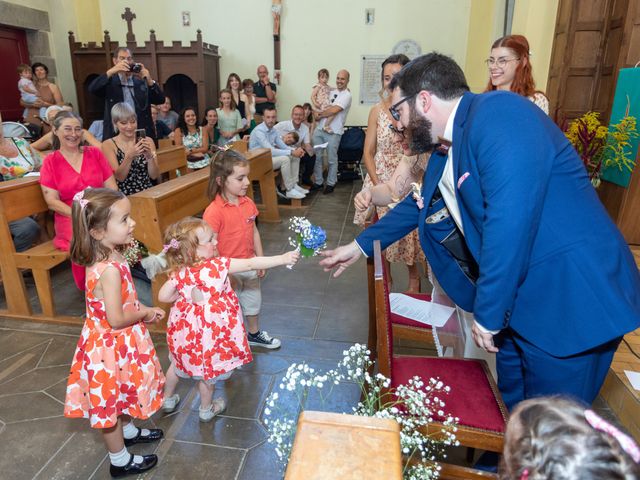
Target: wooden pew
18,199
171,159
241,146
262,172
165,143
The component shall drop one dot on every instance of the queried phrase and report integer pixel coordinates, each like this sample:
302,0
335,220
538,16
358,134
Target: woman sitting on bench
17,159
70,169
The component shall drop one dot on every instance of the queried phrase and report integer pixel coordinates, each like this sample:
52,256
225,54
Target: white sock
130,431
121,458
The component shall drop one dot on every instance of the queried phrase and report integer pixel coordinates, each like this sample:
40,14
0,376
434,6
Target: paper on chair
322,145
634,378
419,310
32,174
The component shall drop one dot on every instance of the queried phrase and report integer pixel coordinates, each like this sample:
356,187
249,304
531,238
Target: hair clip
626,442
79,197
172,244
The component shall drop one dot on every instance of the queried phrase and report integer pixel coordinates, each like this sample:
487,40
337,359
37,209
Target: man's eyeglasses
395,131
499,62
393,109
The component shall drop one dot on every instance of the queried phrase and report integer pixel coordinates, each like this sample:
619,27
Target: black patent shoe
132,468
155,434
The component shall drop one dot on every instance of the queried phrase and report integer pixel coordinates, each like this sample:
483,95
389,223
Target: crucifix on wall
128,16
276,12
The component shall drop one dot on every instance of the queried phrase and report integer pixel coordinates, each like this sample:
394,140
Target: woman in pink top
69,170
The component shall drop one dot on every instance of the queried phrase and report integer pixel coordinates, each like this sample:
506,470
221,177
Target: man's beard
420,131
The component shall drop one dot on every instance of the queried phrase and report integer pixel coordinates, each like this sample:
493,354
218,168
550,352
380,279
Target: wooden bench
172,159
165,143
21,198
261,171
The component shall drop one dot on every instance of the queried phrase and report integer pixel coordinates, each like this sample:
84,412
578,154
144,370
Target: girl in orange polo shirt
232,217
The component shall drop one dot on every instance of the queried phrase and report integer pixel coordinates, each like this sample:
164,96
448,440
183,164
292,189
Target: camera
135,68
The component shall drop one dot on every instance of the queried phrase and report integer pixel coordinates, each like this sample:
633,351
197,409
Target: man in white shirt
340,105
284,157
297,125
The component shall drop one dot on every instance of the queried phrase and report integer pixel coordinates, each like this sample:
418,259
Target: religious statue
276,10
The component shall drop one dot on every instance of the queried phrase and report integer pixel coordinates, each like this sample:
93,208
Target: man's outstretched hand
340,258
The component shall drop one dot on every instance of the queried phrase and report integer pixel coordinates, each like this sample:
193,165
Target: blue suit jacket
553,266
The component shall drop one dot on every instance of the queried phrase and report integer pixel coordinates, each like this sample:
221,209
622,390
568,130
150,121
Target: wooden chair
407,329
474,396
21,198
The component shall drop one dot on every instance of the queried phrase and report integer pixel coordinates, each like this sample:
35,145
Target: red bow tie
442,146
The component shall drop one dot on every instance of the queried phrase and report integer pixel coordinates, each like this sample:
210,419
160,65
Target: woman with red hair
510,69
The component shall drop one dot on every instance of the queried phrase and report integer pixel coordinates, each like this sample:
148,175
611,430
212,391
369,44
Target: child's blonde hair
89,213
221,167
550,438
323,72
181,242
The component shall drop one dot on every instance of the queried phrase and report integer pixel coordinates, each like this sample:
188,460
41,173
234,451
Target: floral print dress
114,372
388,156
138,178
194,140
206,337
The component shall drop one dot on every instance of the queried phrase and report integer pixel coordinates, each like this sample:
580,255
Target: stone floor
316,317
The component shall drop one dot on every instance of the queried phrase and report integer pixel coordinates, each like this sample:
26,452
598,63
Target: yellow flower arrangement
600,146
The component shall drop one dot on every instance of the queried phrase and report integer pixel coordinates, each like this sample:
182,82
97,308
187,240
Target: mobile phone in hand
140,134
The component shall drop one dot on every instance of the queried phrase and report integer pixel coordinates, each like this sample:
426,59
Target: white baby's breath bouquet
413,406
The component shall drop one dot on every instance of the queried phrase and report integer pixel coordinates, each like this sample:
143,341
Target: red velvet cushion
471,398
400,320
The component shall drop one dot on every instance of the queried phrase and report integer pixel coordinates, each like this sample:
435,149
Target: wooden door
586,45
13,51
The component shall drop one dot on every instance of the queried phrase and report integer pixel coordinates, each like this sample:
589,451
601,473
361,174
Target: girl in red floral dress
205,332
115,374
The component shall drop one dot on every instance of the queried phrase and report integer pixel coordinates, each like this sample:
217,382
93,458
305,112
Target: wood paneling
199,61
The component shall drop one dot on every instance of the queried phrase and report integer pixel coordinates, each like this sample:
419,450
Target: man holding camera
131,83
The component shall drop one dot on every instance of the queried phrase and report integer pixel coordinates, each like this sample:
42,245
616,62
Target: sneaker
280,193
295,194
316,187
301,189
328,189
217,406
169,405
262,339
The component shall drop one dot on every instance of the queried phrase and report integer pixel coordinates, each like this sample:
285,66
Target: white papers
634,378
419,310
322,145
32,174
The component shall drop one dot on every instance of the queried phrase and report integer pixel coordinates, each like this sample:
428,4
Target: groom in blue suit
513,231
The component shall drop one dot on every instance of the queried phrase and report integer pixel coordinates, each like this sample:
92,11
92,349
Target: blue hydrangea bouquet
309,239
